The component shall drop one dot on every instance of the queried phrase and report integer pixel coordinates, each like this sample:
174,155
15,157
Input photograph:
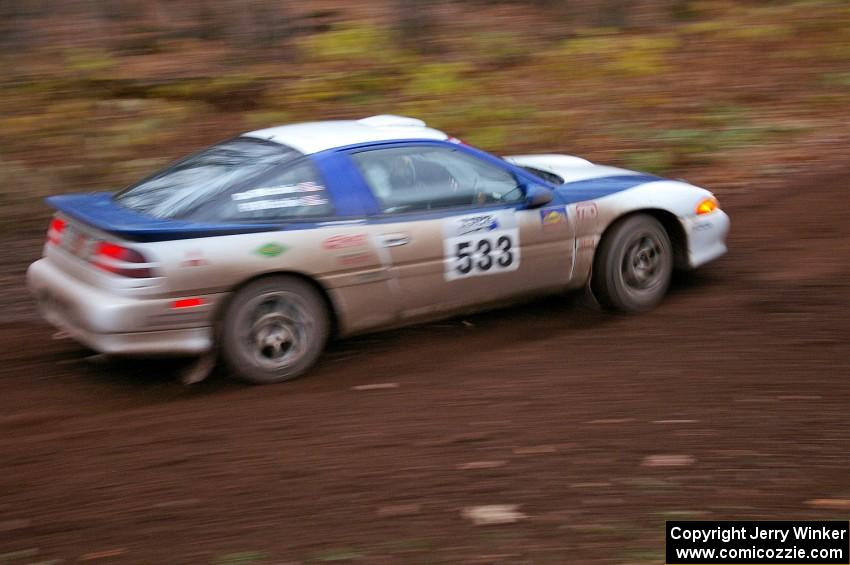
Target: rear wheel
274,330
633,265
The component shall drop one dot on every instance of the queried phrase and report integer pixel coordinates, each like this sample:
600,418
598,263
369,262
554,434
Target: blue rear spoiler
99,210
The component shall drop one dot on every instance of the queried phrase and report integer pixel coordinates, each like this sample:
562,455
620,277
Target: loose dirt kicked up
729,401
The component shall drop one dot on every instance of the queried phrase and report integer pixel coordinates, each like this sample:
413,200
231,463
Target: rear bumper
191,341
706,237
120,325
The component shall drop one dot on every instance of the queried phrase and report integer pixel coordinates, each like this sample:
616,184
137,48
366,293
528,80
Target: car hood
568,167
583,180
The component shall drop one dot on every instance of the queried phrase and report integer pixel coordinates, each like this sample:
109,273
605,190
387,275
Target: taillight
120,260
54,231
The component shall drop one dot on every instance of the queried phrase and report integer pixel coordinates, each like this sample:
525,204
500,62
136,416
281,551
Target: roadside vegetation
723,91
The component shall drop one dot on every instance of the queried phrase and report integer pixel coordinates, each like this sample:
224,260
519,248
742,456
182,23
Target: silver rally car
261,247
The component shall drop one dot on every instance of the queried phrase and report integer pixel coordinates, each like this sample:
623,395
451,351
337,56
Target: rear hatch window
177,191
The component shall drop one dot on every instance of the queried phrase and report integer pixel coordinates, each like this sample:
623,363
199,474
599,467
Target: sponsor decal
354,259
311,200
309,186
78,243
194,258
551,217
472,224
703,226
345,240
277,190
586,211
271,249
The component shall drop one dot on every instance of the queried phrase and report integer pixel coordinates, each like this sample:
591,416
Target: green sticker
271,250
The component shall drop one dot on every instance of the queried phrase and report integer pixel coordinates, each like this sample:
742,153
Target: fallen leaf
675,421
493,514
375,386
830,503
668,460
481,465
535,450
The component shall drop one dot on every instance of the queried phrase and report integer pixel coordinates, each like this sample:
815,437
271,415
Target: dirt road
729,401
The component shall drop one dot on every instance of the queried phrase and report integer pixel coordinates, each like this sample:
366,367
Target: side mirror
537,195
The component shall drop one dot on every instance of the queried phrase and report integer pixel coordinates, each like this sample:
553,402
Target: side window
294,192
410,179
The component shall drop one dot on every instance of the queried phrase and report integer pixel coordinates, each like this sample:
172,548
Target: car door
457,231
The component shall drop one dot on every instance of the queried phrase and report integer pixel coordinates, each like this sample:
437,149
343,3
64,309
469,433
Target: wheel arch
333,314
671,224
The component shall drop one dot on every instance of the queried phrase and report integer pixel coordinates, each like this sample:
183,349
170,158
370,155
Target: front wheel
633,265
274,330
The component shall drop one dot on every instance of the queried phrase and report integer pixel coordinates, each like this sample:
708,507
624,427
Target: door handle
395,239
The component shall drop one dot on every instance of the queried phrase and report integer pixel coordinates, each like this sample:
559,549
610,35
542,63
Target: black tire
633,265
274,330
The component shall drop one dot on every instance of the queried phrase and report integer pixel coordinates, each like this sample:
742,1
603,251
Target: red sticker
194,259
342,241
586,211
587,242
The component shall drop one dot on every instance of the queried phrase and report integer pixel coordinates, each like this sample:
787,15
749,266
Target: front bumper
706,237
120,325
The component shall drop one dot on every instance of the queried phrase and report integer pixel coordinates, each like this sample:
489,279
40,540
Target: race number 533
481,253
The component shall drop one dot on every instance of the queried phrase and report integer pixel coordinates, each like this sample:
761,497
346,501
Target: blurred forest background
95,93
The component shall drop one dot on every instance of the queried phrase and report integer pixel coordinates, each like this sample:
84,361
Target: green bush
355,42
439,79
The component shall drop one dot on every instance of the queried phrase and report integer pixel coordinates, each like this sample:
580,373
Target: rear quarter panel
342,257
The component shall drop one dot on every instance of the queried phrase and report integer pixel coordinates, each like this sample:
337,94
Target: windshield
182,187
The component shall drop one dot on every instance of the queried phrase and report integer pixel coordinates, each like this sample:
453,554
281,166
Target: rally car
263,246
